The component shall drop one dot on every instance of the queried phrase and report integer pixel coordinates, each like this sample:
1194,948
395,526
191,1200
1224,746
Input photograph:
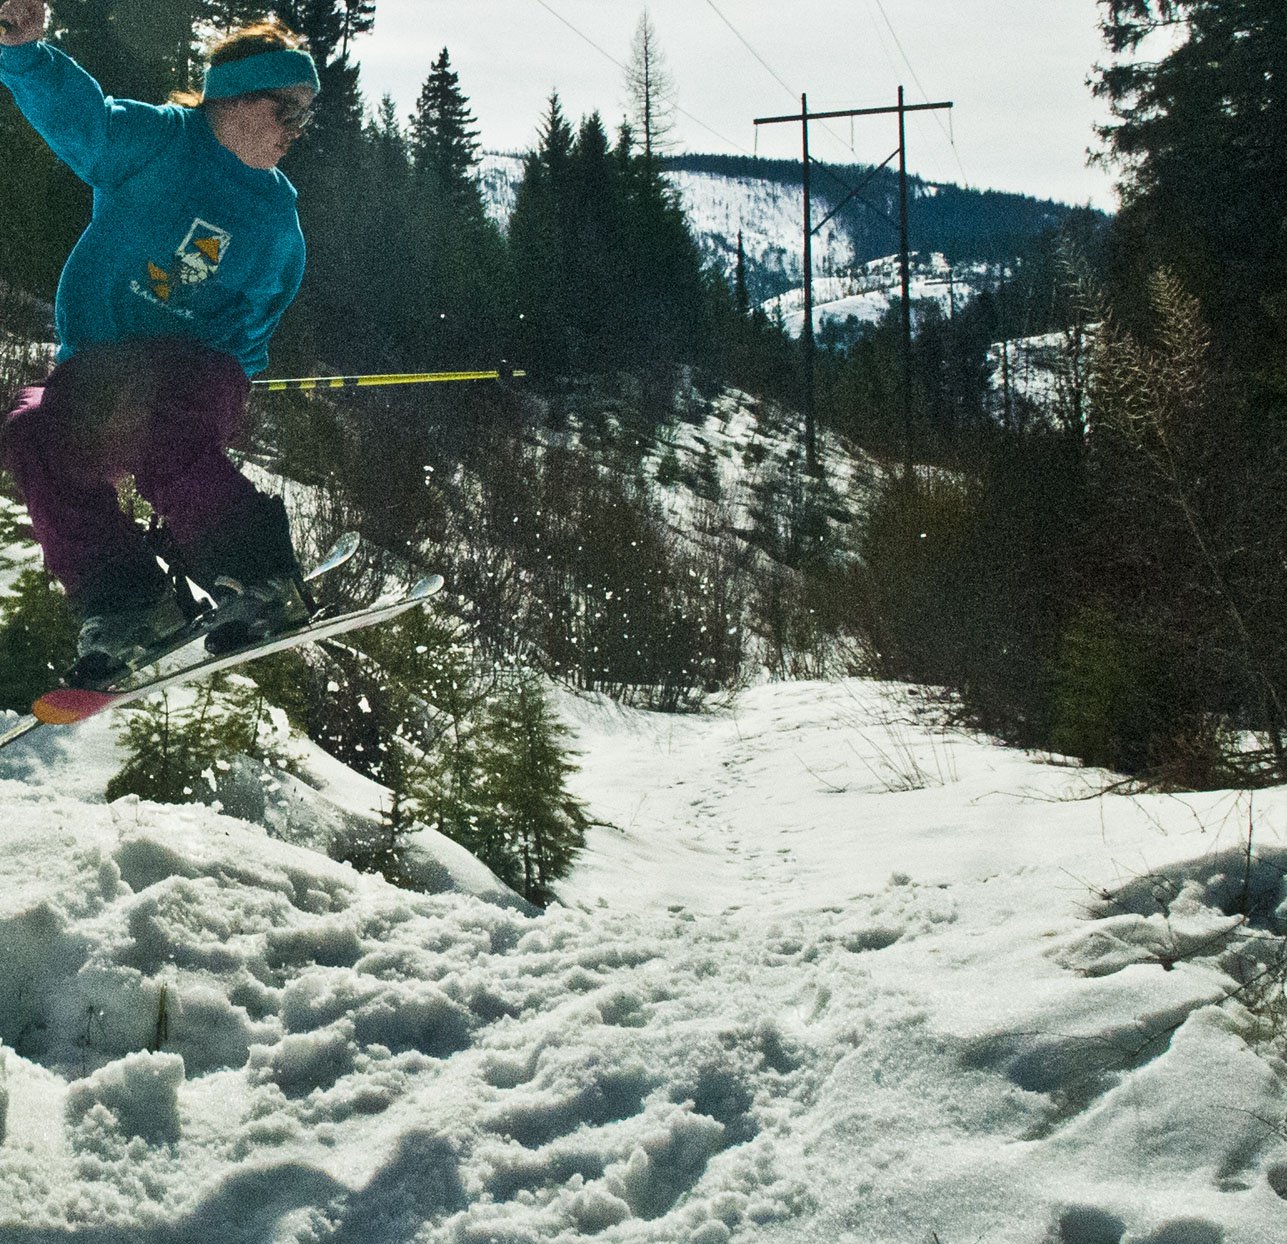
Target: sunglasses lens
289,114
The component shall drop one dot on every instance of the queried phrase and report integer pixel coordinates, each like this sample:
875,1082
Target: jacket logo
197,260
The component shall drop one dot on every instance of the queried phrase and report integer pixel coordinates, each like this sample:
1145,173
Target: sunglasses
290,116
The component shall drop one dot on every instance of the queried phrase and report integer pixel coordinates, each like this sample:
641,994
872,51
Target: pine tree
174,746
594,217
741,295
37,639
538,825
459,309
136,53
442,138
541,243
1201,136
660,269
332,201
650,88
329,25
358,19
43,207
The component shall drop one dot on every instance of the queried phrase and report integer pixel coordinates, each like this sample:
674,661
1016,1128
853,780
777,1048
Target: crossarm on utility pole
855,191
803,117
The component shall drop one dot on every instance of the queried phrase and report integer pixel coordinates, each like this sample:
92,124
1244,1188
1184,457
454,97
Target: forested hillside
963,224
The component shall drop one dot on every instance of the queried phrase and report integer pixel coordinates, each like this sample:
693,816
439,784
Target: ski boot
248,566
127,614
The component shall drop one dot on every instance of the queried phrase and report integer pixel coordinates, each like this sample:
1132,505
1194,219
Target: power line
947,132
899,45
742,40
580,34
603,52
773,73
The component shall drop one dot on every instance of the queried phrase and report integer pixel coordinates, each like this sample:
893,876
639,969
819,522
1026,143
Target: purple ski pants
162,410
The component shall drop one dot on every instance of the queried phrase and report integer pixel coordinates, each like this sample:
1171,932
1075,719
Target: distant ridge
761,198
959,222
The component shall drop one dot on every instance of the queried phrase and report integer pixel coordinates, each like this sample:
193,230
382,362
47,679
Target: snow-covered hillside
866,293
768,216
823,973
1046,377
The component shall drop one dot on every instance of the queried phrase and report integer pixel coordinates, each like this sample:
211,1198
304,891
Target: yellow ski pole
307,383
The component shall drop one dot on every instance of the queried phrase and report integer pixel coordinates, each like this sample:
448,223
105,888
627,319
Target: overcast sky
1016,71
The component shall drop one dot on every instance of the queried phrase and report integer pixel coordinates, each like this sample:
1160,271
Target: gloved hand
22,21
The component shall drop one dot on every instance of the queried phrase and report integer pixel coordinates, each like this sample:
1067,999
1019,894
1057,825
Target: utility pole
810,434
905,281
805,116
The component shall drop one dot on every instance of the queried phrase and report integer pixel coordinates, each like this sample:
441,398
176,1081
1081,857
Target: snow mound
798,997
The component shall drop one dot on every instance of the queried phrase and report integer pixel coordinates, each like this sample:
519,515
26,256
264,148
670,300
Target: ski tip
65,706
426,587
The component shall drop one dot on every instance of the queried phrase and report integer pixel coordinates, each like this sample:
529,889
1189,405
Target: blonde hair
269,35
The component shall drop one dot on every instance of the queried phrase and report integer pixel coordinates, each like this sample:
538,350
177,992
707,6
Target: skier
164,310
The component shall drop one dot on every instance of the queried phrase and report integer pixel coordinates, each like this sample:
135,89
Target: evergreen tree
1201,137
473,754
329,25
659,274
537,824
540,243
741,295
333,203
225,16
43,207
594,212
358,19
650,88
174,745
37,639
443,141
134,51
460,306
606,266
386,290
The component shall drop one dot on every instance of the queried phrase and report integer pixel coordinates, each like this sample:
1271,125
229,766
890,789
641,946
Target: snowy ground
822,975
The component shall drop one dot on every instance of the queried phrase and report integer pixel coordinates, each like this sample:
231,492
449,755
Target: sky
1016,72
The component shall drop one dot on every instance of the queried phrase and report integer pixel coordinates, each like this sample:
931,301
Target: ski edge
341,552
66,706
23,726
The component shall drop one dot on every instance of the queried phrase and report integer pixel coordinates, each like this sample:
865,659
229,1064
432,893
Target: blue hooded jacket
185,240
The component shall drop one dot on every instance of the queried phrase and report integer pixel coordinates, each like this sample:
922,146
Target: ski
68,705
339,553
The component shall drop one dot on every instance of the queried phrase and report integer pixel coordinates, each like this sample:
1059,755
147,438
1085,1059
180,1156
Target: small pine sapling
536,825
37,639
175,746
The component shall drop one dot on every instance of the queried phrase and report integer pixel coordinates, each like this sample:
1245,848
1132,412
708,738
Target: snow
1048,373
866,293
824,972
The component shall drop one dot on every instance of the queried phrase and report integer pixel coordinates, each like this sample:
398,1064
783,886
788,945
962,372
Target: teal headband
265,71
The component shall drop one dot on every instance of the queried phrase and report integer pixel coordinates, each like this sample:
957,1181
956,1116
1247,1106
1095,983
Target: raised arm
101,140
